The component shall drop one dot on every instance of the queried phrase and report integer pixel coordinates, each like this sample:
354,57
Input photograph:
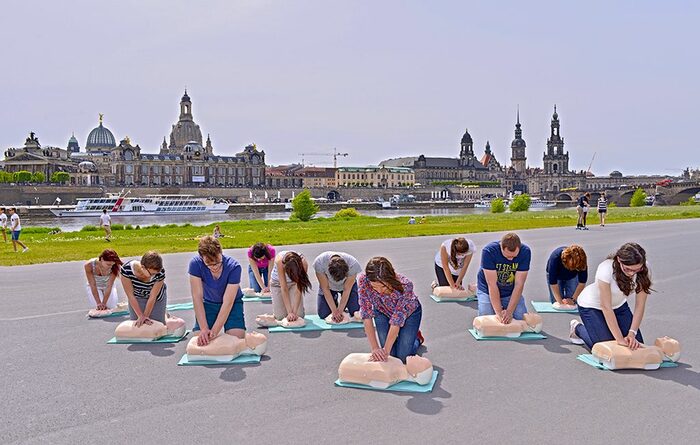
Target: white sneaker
433,285
573,338
25,249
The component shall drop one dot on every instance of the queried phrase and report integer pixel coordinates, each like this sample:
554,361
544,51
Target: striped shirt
602,204
142,289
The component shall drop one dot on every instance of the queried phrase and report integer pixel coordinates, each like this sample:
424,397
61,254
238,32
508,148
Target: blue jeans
322,306
407,341
566,288
253,282
486,308
235,319
594,328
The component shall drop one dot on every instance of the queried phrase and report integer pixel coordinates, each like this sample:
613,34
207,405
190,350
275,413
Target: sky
375,79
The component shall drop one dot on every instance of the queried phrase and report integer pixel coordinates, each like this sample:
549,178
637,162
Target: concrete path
62,384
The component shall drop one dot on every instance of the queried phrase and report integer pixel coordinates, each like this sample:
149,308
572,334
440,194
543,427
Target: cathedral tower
555,160
518,160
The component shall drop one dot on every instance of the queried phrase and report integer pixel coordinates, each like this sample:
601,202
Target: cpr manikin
225,348
127,330
120,307
358,368
449,293
490,326
250,292
615,356
269,320
346,318
564,307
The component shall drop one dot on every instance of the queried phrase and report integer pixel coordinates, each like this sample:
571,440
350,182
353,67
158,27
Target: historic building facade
183,162
374,176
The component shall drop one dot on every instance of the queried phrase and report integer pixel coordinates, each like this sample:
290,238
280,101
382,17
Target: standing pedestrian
106,223
602,208
582,205
3,223
16,227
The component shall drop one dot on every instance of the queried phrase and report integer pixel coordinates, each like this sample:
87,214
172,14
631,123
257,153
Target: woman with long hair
101,274
603,305
452,261
289,282
387,298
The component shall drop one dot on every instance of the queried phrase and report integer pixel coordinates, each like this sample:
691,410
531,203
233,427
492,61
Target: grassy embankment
46,248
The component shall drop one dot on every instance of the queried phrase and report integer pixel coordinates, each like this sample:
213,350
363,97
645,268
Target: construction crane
335,155
590,164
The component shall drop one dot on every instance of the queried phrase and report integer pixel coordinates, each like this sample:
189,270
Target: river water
68,224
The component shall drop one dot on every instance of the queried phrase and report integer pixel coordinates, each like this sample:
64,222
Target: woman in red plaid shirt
388,298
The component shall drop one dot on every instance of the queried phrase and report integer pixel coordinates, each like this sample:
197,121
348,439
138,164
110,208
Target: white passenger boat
121,205
537,203
483,204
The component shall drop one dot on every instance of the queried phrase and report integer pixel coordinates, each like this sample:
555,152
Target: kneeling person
336,273
215,284
501,279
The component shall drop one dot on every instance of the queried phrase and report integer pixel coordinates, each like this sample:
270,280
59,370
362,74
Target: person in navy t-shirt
215,284
504,267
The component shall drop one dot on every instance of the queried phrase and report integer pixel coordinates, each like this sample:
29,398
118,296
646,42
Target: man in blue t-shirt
215,284
504,267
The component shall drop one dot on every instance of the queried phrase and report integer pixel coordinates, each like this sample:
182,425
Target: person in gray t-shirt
336,273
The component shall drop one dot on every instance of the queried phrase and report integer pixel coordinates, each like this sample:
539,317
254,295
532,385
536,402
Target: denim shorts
235,317
15,235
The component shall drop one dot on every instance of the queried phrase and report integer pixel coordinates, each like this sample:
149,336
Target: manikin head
574,258
670,347
534,321
510,245
419,368
255,339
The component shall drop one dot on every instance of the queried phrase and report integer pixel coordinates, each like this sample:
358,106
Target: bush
61,177
138,227
638,198
117,226
689,202
347,213
303,206
521,203
128,227
38,177
23,176
612,205
498,206
89,228
41,230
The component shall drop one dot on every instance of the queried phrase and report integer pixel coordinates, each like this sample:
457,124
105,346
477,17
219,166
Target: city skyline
386,80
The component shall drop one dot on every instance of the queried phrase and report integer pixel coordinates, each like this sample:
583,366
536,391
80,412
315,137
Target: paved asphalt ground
62,384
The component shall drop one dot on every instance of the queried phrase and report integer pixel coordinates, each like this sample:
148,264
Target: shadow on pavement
158,349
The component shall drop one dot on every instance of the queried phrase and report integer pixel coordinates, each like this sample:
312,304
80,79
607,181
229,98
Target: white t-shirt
3,221
590,297
14,219
460,256
105,220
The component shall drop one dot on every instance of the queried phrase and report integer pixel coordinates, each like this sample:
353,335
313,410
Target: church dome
467,138
518,143
100,137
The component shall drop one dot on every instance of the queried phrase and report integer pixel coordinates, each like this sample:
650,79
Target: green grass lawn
70,246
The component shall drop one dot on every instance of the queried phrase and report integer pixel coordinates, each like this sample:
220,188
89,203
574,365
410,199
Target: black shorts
601,211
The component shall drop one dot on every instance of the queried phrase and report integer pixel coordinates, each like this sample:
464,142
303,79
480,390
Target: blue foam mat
256,299
180,306
453,300
591,361
546,307
314,323
523,336
166,339
241,359
398,387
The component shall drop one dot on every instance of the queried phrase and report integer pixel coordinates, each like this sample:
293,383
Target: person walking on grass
602,208
106,224
16,227
3,223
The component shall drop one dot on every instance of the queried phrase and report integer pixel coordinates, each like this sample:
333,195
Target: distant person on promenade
602,208
215,283
422,220
259,271
106,223
144,284
217,232
567,273
288,284
387,298
16,228
603,305
454,256
3,223
336,273
101,274
582,205
501,279
411,220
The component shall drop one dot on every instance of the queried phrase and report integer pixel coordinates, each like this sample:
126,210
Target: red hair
111,255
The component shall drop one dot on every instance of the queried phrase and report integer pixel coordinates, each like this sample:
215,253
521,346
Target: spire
555,116
488,147
517,119
101,116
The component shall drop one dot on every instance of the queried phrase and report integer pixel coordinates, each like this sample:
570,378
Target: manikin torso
447,292
616,356
358,368
490,326
227,347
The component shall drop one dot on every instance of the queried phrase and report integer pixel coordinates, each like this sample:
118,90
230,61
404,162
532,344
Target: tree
23,176
6,177
38,177
303,206
61,177
638,198
498,206
521,203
